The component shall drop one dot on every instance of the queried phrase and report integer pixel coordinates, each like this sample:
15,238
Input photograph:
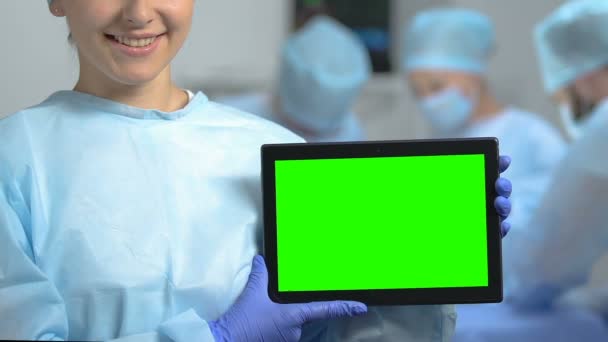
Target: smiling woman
126,230
129,43
130,208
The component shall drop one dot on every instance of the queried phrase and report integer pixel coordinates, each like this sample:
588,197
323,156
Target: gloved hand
502,202
254,317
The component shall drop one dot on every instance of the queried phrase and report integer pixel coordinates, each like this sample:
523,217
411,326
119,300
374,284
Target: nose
138,12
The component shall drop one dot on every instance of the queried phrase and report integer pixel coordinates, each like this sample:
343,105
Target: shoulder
249,124
15,150
15,125
17,130
534,127
525,117
254,103
587,151
26,133
535,140
243,101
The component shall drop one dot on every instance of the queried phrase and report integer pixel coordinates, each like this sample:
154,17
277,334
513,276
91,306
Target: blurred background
234,48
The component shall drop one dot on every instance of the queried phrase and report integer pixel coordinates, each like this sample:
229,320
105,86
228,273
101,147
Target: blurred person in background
445,61
572,45
562,290
323,68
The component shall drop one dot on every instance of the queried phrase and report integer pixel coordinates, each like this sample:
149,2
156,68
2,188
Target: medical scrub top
140,225
536,148
117,221
565,236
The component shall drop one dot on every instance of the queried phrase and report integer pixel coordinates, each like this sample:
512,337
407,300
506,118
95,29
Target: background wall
234,45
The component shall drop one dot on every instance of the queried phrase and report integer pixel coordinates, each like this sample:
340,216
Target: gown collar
91,102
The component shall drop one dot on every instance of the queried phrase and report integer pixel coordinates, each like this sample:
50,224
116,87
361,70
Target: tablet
383,223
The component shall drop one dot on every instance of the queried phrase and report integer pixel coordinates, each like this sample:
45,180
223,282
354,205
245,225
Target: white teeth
134,42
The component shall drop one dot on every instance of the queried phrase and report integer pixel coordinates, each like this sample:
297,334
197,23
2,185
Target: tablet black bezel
465,295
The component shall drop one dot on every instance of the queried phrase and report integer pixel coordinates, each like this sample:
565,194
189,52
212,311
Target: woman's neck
160,93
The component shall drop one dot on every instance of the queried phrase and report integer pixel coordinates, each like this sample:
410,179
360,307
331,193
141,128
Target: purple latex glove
502,202
254,317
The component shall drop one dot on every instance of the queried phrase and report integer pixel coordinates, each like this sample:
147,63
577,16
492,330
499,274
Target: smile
134,42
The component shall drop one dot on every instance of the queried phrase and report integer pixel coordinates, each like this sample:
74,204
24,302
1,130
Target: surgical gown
555,249
139,225
570,229
261,104
535,147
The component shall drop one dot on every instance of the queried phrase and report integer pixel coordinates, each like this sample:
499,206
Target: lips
135,46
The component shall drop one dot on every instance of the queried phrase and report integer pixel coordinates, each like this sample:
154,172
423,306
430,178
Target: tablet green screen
381,223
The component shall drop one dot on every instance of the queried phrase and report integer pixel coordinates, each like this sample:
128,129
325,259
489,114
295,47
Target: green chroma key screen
381,223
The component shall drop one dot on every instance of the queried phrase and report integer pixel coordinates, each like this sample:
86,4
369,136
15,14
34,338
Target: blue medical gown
559,216
555,253
536,149
118,222
569,232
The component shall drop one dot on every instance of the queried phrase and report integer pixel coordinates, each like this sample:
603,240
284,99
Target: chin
132,76
135,81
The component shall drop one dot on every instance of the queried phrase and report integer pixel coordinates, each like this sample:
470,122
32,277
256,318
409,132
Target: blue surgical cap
323,67
572,41
448,39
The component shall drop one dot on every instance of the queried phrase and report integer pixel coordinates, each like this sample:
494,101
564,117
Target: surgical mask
571,126
447,111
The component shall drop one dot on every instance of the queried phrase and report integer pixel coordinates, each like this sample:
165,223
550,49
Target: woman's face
128,41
